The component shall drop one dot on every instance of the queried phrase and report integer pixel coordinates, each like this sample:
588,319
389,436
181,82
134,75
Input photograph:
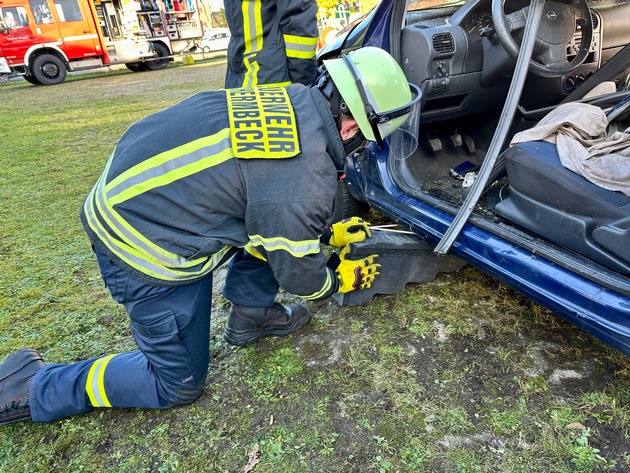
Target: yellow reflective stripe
95,384
254,252
252,38
171,176
298,249
300,54
323,290
252,25
251,75
144,262
278,84
301,47
302,40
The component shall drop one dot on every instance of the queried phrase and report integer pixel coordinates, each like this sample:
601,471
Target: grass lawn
457,375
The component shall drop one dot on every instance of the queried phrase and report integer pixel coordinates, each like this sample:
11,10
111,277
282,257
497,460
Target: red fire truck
42,40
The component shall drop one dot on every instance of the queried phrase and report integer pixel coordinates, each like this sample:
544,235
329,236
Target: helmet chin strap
353,143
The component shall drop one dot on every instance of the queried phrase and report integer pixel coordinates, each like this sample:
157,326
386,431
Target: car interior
463,57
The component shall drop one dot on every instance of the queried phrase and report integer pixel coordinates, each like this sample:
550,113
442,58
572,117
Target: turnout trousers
171,327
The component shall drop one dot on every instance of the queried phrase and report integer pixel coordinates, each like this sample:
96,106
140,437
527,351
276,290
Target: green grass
458,375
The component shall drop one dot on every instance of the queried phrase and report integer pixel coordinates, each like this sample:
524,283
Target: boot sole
240,338
18,360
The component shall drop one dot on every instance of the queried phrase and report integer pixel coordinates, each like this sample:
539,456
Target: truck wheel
136,66
159,51
49,69
32,80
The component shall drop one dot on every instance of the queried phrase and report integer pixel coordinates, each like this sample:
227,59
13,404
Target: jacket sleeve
298,23
287,235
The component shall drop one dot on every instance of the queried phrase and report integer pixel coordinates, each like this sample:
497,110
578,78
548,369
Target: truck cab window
41,12
13,17
68,10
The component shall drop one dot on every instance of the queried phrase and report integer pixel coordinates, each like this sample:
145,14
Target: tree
329,7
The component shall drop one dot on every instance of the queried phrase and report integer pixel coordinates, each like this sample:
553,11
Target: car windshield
429,4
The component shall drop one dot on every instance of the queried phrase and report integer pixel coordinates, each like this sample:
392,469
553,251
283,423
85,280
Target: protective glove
349,230
356,274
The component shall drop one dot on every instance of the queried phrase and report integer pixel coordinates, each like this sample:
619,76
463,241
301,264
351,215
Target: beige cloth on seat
579,132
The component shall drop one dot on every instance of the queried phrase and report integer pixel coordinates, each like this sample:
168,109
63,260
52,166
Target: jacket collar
335,145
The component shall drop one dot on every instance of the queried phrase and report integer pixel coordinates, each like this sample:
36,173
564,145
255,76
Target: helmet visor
399,126
403,141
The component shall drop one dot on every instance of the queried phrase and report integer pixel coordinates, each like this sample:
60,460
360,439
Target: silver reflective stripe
133,260
296,248
300,47
164,168
251,37
129,237
131,246
144,265
95,383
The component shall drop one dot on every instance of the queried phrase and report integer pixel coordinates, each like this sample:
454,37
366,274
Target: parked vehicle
514,212
215,39
42,41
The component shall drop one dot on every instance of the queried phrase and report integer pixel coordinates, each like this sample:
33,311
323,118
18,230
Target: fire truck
42,40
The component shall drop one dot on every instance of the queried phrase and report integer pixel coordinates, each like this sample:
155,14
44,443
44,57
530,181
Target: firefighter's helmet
384,104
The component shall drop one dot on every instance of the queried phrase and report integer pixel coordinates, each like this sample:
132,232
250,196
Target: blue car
484,183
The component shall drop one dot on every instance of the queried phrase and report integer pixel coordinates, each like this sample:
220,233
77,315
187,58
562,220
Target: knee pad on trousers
187,395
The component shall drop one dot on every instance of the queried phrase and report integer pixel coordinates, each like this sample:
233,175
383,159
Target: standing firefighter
252,179
272,42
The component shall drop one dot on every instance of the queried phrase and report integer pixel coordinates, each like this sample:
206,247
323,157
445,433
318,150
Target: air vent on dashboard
595,20
443,43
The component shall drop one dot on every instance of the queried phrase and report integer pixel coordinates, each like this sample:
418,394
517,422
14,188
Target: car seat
562,206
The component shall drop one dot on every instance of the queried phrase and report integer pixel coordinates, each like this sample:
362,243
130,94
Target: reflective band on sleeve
295,248
95,384
253,39
301,47
323,290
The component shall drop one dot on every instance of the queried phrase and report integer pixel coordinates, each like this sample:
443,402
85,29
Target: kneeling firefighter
246,175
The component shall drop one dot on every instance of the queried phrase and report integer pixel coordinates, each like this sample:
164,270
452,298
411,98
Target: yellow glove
349,230
356,274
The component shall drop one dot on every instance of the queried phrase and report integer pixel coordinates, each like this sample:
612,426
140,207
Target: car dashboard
454,55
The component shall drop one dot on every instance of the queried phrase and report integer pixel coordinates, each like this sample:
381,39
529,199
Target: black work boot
248,324
15,374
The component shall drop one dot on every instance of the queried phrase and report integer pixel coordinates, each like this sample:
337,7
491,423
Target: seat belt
611,69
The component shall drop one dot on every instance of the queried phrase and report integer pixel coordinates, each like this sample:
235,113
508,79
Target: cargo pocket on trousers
160,342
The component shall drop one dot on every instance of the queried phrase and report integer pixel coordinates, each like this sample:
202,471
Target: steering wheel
557,27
